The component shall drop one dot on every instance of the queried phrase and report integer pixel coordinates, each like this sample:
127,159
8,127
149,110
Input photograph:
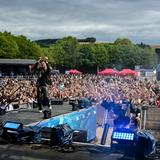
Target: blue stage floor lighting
123,136
9,125
124,140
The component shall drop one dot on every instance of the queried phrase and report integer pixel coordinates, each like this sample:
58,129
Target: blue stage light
12,125
132,143
9,125
123,136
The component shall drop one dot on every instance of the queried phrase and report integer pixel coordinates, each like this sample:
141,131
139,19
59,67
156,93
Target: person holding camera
42,70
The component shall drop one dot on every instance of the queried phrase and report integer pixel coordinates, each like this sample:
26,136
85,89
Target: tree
122,41
100,56
86,57
8,47
26,48
65,52
147,56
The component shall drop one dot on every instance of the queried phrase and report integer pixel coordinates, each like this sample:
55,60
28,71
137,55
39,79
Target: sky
106,20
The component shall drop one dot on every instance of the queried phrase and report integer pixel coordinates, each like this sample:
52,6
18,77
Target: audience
91,87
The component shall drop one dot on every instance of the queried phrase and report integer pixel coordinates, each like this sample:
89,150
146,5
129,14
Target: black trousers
42,96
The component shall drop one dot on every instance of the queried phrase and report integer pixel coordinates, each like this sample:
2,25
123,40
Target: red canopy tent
108,71
128,72
74,71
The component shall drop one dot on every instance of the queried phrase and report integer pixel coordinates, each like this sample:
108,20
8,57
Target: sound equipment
75,107
72,101
60,135
54,101
14,132
63,134
80,136
12,126
11,131
146,144
138,144
124,140
47,114
47,135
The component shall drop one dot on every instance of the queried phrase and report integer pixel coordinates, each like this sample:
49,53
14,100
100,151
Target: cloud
107,20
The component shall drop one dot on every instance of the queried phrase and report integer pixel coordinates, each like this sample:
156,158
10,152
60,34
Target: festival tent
108,71
128,72
74,71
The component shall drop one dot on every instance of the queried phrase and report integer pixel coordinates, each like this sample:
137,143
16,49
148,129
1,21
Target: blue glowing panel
11,125
123,136
84,119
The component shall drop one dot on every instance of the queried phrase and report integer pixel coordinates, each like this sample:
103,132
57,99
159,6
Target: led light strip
124,136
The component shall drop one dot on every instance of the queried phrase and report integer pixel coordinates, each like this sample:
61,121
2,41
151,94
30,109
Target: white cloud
138,20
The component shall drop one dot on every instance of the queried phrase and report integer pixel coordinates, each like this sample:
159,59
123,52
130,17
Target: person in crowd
135,115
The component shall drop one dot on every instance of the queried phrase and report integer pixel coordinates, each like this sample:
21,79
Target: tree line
68,53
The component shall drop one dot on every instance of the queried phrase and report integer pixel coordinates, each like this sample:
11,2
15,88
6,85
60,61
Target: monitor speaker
80,136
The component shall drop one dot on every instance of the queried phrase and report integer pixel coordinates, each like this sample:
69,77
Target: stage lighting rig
133,143
124,140
11,130
14,132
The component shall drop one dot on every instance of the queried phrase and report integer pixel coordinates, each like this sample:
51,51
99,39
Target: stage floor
28,116
81,152
29,152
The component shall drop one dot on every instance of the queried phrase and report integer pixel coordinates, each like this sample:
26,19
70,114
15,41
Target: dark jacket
43,76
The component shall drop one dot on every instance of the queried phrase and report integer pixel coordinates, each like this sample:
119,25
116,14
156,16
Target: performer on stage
42,70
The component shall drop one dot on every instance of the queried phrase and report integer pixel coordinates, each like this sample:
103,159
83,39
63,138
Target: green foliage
100,56
27,49
45,43
126,54
86,57
8,47
122,41
18,47
67,53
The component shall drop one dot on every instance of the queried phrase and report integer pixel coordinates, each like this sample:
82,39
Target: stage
83,119
28,116
86,151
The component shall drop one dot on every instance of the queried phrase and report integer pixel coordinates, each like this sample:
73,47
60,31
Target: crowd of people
110,92
93,87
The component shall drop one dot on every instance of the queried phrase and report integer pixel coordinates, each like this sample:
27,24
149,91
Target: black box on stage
80,136
50,136
46,135
61,134
47,113
56,101
72,101
12,130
